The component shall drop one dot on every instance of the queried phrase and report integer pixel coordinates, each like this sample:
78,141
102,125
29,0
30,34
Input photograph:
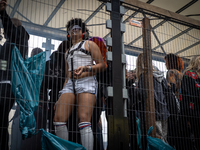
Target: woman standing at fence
190,105
161,112
174,66
80,86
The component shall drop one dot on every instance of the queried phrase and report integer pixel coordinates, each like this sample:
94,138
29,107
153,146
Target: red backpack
103,78
100,42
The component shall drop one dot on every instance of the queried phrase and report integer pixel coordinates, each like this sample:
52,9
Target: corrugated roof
49,17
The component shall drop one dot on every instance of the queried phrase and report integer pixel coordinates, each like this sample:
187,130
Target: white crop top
79,58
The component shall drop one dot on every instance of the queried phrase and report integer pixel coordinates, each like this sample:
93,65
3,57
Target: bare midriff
83,75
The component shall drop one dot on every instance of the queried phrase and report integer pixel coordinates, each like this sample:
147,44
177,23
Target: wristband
89,69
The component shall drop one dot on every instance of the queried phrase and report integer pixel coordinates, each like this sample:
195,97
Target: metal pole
117,123
48,47
124,78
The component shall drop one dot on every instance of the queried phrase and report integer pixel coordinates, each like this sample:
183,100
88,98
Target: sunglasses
74,28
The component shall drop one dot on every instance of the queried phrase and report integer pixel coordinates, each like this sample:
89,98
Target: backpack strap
72,66
72,52
85,51
72,75
78,49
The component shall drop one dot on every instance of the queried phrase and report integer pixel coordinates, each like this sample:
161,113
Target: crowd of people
75,102
176,99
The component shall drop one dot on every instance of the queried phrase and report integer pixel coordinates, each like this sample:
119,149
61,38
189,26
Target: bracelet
87,69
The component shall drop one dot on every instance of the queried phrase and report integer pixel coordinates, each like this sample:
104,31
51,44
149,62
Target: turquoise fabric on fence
152,143
139,136
27,76
156,144
52,142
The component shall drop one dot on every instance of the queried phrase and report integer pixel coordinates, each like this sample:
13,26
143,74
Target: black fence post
117,123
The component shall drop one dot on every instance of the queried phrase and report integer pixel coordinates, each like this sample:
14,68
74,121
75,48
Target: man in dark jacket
56,77
14,33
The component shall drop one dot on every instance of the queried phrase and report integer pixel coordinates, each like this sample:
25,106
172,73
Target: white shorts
83,85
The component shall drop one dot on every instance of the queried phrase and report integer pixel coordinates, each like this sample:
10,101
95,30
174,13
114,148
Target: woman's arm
96,56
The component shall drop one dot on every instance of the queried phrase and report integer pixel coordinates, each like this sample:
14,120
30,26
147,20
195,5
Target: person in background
56,78
131,77
174,66
15,33
190,106
36,51
161,111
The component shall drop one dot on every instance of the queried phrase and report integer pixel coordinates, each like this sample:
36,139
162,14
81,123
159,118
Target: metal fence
144,83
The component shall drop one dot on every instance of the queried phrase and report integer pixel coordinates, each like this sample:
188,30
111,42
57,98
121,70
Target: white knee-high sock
87,138
61,130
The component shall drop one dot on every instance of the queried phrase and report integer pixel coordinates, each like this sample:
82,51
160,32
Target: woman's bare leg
63,109
86,103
